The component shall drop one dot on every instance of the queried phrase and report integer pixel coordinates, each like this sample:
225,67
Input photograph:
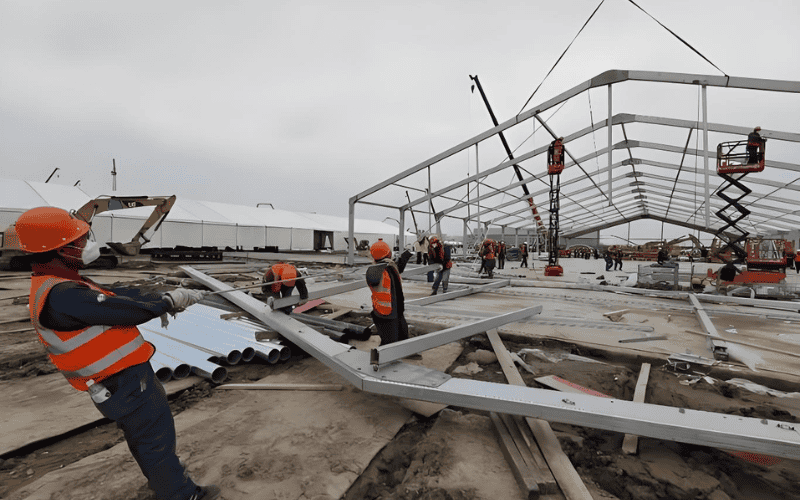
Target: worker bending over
280,281
388,303
438,254
90,335
487,254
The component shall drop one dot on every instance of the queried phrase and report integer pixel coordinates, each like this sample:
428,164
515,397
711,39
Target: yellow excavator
13,258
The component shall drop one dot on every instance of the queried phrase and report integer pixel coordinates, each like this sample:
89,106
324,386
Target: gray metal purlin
661,422
399,350
346,287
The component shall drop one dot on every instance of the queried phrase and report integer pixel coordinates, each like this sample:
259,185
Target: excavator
13,258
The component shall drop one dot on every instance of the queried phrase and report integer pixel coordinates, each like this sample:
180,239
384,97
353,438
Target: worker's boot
434,292
210,492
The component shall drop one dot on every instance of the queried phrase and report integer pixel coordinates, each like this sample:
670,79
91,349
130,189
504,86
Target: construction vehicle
555,165
765,258
13,258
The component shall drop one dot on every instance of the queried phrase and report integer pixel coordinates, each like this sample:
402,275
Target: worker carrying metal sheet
280,281
90,335
388,302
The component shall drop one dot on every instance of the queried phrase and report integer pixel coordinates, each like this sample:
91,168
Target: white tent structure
196,224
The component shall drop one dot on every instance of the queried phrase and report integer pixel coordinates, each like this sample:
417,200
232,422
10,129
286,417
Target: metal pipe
178,368
194,357
200,339
163,372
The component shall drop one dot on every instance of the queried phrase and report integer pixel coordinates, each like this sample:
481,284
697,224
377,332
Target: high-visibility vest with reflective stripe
557,150
382,295
283,272
754,140
95,352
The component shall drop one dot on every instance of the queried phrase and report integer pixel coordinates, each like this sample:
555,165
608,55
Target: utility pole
114,175
51,175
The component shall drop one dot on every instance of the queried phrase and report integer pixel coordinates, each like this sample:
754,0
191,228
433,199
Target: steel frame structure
418,382
587,215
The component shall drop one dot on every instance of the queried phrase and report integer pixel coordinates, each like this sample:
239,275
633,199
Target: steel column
705,159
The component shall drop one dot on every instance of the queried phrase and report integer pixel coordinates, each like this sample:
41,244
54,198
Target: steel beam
399,350
457,293
344,287
408,381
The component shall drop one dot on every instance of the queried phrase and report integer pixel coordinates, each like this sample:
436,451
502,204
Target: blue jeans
442,277
140,408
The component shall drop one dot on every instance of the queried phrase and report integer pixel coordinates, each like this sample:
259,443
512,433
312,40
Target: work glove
181,298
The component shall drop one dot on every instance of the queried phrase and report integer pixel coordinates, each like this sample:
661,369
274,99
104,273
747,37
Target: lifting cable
562,55
679,38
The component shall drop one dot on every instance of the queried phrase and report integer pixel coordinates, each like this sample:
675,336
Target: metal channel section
399,350
346,287
718,346
457,293
399,379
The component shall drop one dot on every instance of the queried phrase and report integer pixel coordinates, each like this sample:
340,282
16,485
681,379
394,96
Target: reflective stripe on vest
94,352
382,295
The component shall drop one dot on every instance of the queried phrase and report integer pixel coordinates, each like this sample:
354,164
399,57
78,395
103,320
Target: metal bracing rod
456,293
417,382
399,350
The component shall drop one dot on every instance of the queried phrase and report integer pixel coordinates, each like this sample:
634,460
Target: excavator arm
109,203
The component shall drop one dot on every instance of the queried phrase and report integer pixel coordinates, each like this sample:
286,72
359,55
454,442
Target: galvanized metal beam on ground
345,287
403,380
631,442
716,344
457,293
426,311
400,350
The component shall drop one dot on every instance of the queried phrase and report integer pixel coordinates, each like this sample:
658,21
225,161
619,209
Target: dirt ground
661,470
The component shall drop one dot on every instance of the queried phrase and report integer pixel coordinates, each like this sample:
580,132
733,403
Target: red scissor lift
555,165
764,257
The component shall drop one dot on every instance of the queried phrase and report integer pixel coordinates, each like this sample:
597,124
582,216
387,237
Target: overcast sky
304,104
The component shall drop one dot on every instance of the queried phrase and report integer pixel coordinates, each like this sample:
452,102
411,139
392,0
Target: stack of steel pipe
195,357
168,367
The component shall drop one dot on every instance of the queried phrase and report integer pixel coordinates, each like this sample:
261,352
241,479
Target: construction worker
797,261
440,254
281,280
662,256
388,303
755,146
501,255
90,335
555,156
523,252
487,254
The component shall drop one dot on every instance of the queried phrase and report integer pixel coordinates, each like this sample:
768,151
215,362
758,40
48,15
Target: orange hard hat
380,250
43,229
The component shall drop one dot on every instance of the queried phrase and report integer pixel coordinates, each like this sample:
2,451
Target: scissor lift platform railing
416,382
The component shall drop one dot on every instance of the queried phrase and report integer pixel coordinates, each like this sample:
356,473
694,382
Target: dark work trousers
391,330
501,262
797,266
140,408
524,262
489,266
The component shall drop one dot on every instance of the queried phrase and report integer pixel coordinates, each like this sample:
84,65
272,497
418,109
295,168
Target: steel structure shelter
636,187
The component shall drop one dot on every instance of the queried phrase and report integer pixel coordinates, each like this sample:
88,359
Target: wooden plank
18,320
646,338
563,385
283,387
518,466
311,304
630,443
569,481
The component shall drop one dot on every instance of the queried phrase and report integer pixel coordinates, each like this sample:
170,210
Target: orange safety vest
283,272
382,295
557,149
94,352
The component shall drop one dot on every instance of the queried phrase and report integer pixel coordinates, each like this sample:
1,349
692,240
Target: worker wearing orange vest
438,254
90,335
555,157
487,254
281,279
388,303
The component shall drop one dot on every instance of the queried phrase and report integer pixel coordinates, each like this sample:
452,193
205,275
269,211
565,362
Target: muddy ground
661,470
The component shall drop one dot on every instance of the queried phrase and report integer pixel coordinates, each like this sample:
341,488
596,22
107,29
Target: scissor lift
555,165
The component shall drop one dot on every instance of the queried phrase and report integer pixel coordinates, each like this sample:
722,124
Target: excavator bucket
131,248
